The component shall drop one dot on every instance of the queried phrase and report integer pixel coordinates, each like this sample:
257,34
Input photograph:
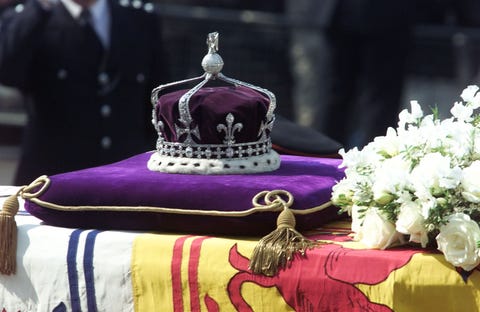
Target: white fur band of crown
255,164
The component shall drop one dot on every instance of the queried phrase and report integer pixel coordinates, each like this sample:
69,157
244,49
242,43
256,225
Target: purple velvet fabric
209,107
130,183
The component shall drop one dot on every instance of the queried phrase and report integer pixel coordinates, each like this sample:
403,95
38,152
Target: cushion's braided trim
273,201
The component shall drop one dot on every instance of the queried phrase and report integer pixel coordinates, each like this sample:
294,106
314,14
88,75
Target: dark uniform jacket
356,54
83,110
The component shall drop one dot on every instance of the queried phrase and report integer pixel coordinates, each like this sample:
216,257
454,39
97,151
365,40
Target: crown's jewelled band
214,151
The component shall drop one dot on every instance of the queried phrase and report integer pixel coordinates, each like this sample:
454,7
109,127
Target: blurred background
255,43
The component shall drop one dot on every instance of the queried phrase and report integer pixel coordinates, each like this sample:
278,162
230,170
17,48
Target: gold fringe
274,251
8,236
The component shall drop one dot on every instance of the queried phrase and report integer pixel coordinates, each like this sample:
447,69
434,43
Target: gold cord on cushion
8,226
274,251
269,206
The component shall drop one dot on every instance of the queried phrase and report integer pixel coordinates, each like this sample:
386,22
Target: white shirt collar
100,12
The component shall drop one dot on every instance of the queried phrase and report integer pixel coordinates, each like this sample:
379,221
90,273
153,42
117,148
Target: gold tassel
8,236
8,225
274,251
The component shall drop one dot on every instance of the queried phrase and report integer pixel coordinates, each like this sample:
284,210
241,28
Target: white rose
458,241
471,182
410,221
377,232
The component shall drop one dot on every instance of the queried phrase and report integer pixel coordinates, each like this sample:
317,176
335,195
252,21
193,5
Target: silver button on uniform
19,8
148,7
103,78
106,142
105,110
62,74
137,4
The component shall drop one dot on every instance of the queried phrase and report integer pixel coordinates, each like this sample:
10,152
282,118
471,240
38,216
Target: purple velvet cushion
130,183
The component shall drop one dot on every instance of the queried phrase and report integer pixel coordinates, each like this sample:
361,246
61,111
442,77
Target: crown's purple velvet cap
209,108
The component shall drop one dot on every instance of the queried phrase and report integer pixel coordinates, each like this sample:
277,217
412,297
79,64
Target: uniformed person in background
349,65
86,68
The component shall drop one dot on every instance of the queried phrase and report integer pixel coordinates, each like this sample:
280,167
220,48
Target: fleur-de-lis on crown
229,129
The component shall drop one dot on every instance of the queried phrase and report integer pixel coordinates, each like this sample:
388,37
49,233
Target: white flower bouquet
419,182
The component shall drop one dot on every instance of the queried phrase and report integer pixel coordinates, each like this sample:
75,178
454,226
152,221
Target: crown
213,130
